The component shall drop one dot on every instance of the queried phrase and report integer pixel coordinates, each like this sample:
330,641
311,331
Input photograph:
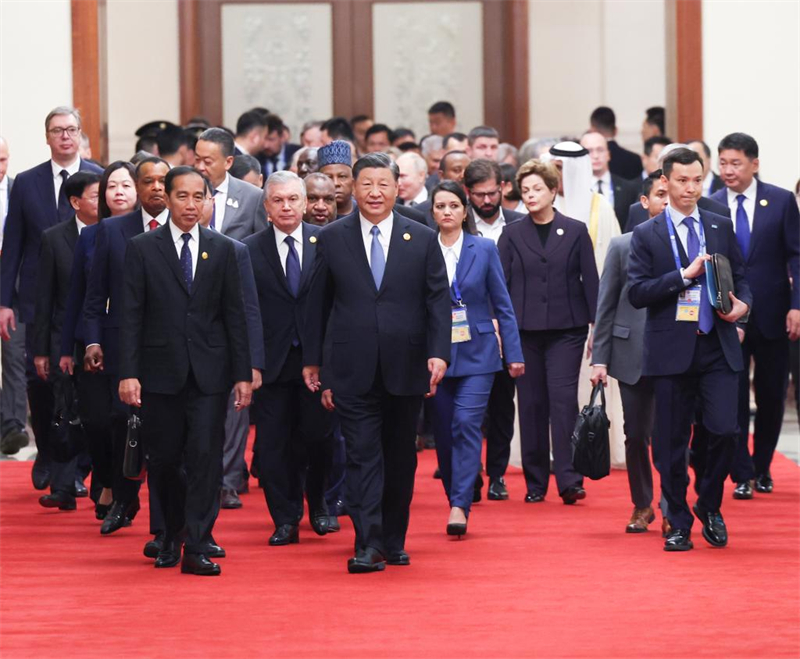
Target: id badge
460,332
688,309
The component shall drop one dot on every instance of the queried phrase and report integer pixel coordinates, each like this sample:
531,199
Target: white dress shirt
241,148
283,248
385,235
162,217
72,168
491,231
81,225
708,181
682,231
194,243
421,197
749,203
220,200
608,187
451,255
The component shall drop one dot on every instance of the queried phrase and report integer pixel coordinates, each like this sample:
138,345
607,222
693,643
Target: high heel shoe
457,530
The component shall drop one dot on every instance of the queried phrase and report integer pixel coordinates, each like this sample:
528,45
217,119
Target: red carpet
529,580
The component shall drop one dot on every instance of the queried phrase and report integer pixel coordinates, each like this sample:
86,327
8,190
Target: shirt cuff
686,282
91,344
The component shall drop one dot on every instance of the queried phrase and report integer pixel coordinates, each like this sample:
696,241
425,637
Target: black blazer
625,193
552,287
282,314
52,287
638,214
166,331
398,327
624,163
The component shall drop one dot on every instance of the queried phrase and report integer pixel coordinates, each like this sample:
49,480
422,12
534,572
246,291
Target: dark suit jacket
398,327
624,163
716,183
72,329
52,287
638,214
551,287
102,308
168,332
252,312
773,256
282,314
655,283
618,328
31,209
626,193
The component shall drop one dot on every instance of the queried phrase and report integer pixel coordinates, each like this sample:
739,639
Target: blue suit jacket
31,209
483,289
774,254
655,283
72,328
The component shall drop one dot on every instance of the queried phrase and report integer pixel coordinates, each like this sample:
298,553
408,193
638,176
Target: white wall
751,80
143,77
35,74
585,53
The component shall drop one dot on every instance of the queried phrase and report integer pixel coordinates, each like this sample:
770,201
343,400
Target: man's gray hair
430,144
282,178
533,148
419,162
62,111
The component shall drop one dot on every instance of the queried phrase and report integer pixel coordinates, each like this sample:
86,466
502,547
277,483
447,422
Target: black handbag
65,436
719,282
591,454
134,465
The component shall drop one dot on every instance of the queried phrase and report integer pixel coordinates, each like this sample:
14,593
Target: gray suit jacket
619,328
244,211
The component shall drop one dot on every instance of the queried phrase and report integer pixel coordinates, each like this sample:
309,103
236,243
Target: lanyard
457,291
673,240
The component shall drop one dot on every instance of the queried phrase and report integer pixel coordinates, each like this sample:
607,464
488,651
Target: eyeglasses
72,131
484,195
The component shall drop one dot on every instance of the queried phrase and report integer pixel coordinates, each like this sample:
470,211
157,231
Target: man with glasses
483,181
37,202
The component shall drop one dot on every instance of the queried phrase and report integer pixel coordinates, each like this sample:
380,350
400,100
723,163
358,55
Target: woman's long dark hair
458,190
102,207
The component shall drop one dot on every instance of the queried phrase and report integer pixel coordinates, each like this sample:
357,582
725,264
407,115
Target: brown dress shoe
640,519
666,528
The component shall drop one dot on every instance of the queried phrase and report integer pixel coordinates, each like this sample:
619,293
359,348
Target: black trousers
710,385
380,435
638,407
548,402
499,424
184,434
770,381
294,440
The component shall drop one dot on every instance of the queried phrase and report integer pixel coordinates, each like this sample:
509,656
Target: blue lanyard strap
457,291
673,239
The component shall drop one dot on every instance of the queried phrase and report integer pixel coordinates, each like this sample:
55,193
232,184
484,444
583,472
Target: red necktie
152,224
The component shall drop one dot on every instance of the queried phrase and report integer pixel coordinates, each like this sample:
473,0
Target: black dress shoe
319,522
476,492
573,494
457,529
333,524
169,556
398,558
764,483
153,548
534,497
60,500
215,551
101,510
437,474
79,489
497,490
714,530
366,560
40,474
229,500
13,441
116,518
285,534
743,491
679,540
200,565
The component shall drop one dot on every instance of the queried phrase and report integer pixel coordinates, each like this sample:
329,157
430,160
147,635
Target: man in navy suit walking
767,226
37,202
691,350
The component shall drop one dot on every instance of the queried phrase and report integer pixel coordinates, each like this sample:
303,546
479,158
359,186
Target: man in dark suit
623,163
387,344
37,202
250,130
619,192
712,182
617,351
691,350
102,323
182,349
767,229
277,151
52,285
293,430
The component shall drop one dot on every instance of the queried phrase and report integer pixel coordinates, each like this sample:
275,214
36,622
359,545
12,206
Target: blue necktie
742,226
377,259
693,251
186,261
292,267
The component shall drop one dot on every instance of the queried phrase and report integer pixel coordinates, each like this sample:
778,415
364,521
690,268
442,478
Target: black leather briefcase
719,282
591,453
133,460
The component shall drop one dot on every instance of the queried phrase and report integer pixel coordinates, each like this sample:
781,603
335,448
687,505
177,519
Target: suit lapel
467,258
232,204
759,217
270,251
47,191
205,245
167,248
71,234
711,230
355,242
309,252
555,239
134,226
531,237
400,225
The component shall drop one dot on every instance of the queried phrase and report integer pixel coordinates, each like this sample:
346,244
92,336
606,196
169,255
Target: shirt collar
297,234
81,225
455,247
677,217
242,149
605,178
177,233
499,222
749,193
421,196
223,187
72,168
384,226
160,218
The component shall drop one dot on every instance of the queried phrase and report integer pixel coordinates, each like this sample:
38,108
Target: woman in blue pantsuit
478,292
